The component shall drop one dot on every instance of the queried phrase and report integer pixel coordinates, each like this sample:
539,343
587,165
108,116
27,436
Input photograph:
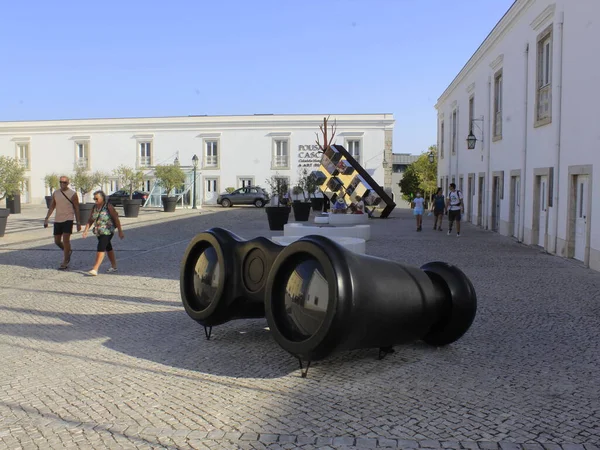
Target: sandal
69,258
92,273
111,270
63,266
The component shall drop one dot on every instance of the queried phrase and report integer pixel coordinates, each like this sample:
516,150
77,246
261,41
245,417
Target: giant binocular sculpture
319,297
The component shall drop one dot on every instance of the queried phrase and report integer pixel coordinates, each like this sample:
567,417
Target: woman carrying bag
105,219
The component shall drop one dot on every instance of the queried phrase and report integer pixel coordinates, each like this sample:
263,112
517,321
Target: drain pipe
486,199
561,19
523,186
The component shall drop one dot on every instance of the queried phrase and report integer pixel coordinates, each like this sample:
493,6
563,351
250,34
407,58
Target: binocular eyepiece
319,297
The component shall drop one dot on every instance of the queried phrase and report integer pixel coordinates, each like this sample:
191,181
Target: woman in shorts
418,207
105,219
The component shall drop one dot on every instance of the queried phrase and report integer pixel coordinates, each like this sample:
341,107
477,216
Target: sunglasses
63,182
97,198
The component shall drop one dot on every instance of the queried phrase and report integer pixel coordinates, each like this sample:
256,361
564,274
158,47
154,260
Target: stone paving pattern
114,361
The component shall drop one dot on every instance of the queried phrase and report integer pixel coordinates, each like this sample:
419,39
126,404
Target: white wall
505,49
246,143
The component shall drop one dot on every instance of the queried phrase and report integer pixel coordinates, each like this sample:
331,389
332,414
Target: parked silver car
251,195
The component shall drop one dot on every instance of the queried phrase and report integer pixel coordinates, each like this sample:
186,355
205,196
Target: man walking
66,203
454,208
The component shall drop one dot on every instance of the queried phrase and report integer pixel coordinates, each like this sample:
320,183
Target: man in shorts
66,203
454,208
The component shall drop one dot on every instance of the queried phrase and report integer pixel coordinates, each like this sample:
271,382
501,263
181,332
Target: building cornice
543,17
196,123
497,33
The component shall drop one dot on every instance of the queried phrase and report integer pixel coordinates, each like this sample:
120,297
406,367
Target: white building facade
233,151
527,95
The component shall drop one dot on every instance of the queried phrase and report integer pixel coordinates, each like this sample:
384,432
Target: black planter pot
301,211
48,201
169,203
131,208
278,216
85,211
317,204
14,204
4,213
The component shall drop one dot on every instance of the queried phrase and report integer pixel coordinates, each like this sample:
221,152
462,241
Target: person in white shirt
418,207
454,208
66,203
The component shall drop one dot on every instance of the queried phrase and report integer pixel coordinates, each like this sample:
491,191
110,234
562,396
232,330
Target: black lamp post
471,140
195,162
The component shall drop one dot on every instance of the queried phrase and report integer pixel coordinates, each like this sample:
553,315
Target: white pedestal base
354,244
355,231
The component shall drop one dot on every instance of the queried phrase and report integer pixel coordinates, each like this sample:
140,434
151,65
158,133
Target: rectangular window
280,153
471,113
23,155
211,153
498,105
82,154
454,133
245,182
354,149
544,78
145,154
442,140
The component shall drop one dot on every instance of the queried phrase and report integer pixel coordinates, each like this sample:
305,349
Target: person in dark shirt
438,204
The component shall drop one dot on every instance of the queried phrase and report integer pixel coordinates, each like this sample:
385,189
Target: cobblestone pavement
114,362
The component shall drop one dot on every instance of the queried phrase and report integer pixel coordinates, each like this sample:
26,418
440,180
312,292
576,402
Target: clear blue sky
131,58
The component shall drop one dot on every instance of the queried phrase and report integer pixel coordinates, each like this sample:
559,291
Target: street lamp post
195,162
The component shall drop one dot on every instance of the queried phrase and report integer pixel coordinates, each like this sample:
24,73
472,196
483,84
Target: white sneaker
111,270
449,232
457,234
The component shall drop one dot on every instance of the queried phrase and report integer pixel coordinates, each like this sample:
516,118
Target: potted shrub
278,214
312,187
12,179
132,180
84,182
4,213
169,177
301,207
51,181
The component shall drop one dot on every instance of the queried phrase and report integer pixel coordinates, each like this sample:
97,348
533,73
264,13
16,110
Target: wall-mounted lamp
471,139
431,157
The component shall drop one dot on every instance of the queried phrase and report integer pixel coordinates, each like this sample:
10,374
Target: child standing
418,206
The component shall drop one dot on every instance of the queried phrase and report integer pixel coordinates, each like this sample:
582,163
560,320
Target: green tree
84,181
169,176
129,178
12,177
427,172
409,184
51,181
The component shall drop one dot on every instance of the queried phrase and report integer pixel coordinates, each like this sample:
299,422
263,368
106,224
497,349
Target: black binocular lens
207,274
306,298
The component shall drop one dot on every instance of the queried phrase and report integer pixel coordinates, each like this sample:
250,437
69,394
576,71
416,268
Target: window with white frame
145,153
498,105
281,155
82,154
453,142
23,155
353,147
245,182
211,153
544,77
442,140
